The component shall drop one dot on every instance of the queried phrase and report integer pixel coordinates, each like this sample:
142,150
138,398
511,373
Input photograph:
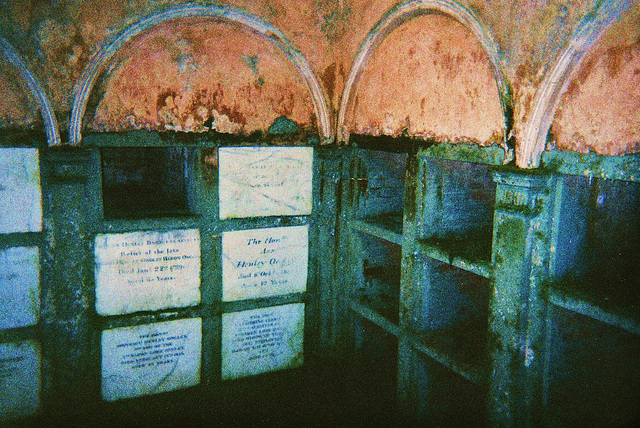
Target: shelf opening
144,182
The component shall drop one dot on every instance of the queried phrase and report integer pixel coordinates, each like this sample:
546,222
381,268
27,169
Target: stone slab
262,340
20,191
19,287
19,379
151,358
268,262
265,181
147,271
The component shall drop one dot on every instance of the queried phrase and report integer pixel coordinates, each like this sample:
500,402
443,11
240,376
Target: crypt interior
320,213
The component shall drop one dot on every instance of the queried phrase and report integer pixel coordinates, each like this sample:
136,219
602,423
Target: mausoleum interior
320,213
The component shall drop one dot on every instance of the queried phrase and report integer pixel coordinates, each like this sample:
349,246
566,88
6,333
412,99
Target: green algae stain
251,62
283,125
511,234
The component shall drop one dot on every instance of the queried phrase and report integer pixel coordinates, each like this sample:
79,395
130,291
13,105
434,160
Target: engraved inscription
19,287
147,271
265,181
262,340
264,262
151,358
20,193
19,379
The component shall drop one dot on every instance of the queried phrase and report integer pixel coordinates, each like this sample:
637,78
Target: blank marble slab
147,271
262,340
265,181
19,379
19,287
20,191
268,262
151,358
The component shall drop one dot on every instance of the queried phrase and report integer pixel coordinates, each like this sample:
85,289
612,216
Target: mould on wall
600,112
65,54
429,78
413,86
335,17
201,75
17,108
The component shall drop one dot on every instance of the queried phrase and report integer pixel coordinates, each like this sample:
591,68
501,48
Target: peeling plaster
196,76
57,39
16,106
429,78
600,112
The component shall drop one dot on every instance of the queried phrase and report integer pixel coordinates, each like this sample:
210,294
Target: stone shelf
381,313
470,254
385,226
620,316
460,348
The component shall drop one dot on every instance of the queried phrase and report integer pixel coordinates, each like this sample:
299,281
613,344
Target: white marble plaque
147,271
20,192
264,262
265,181
19,379
19,287
151,358
262,340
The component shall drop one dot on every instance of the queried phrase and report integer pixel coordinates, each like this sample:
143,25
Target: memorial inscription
265,181
20,192
150,358
262,340
19,379
19,287
147,271
264,262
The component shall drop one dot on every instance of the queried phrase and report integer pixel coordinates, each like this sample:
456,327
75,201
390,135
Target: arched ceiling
431,78
195,75
600,112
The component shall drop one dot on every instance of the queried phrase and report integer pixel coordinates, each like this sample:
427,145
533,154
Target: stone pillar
523,224
67,295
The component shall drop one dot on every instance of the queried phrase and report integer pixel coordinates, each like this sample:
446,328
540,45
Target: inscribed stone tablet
147,271
20,193
264,262
151,358
262,340
265,181
19,287
19,379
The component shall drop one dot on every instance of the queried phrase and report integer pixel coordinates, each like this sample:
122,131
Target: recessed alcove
144,181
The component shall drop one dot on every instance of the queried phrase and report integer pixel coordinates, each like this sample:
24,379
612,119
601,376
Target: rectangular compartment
596,248
594,373
373,377
378,282
378,187
452,321
457,211
144,181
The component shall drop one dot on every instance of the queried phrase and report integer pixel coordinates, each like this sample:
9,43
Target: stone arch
220,13
51,127
556,82
403,13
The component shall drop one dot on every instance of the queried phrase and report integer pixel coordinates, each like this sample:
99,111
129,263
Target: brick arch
403,13
51,126
218,13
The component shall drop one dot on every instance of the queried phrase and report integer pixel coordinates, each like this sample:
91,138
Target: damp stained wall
196,76
600,112
249,81
429,78
16,106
